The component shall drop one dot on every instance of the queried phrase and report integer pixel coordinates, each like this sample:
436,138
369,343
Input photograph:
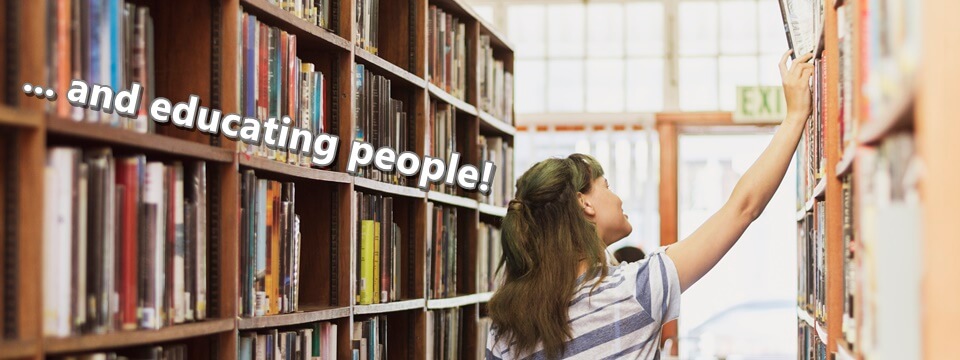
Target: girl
560,299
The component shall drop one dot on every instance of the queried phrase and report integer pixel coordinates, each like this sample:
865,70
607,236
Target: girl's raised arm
699,252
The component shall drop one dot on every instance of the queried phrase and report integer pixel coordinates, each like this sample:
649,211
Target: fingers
800,62
783,62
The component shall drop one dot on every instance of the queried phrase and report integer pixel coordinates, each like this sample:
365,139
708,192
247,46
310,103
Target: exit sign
760,104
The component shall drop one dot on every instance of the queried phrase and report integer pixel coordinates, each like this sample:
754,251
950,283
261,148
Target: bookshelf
872,185
206,56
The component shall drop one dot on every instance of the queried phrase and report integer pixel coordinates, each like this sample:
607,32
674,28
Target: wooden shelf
148,143
458,301
307,34
822,334
489,123
388,188
388,69
843,351
804,316
461,105
122,339
10,116
303,317
16,349
454,200
897,116
276,167
820,190
389,307
492,210
846,162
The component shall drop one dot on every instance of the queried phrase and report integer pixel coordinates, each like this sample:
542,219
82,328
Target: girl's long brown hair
545,235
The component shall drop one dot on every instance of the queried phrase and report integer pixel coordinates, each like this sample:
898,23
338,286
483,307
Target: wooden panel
293,171
396,33
835,251
388,188
389,307
10,116
148,143
496,127
937,131
668,201
136,338
182,57
462,106
383,67
306,316
32,69
18,349
314,206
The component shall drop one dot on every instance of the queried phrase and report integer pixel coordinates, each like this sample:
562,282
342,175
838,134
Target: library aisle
266,179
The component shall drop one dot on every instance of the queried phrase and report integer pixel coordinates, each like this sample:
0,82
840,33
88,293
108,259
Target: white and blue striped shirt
621,319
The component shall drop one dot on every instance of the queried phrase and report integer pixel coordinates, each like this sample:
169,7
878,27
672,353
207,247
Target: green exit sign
760,104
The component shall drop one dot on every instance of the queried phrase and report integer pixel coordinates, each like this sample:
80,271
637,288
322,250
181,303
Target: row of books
125,242
269,247
447,56
441,251
891,37
315,12
317,341
887,210
848,324
809,344
442,137
496,83
166,352
367,25
810,161
276,84
847,51
381,121
378,261
106,42
444,334
499,152
488,256
369,340
811,254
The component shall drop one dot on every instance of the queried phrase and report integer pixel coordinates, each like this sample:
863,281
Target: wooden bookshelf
202,54
496,126
306,316
10,116
137,337
388,69
301,172
384,308
454,200
888,118
461,105
18,349
492,210
147,143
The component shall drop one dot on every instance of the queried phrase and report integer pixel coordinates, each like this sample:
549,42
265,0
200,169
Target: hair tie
515,204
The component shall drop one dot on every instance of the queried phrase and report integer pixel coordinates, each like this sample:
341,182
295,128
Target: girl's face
605,209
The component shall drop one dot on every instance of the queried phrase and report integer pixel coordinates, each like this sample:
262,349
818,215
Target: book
496,83
380,245
447,55
381,121
270,246
118,240
500,152
442,251
799,23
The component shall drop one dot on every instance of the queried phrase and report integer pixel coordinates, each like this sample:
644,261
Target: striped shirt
620,320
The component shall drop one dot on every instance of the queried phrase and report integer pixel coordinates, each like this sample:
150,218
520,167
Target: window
616,56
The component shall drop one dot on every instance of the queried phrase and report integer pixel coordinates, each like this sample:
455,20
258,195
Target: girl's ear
585,204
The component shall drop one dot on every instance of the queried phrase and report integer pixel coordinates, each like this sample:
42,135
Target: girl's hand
796,86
